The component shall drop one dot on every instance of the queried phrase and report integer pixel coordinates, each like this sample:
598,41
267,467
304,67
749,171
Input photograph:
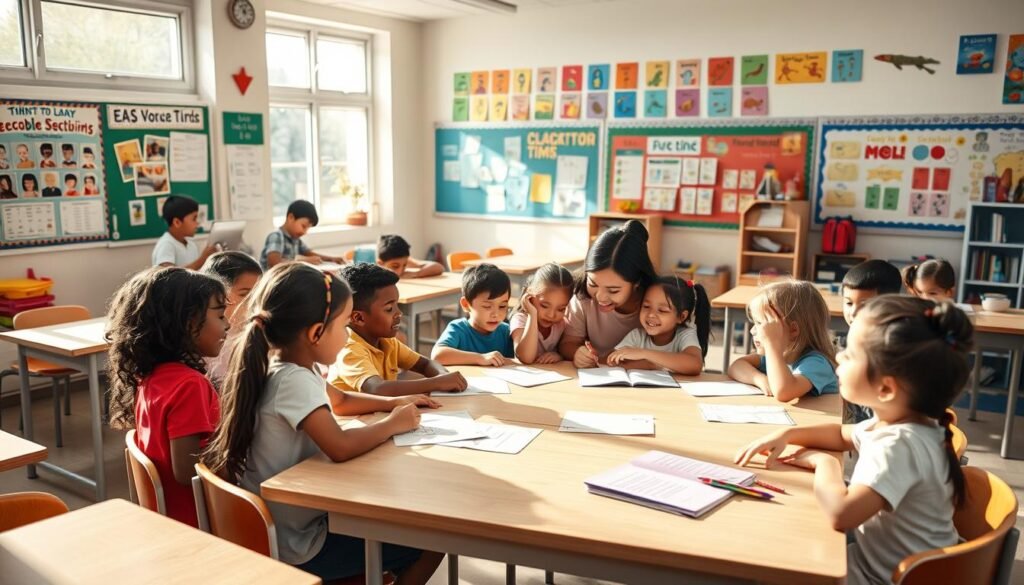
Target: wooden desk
80,346
15,452
416,298
443,280
521,266
533,509
119,542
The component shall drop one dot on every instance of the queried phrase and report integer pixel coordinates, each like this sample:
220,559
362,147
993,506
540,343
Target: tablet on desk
226,233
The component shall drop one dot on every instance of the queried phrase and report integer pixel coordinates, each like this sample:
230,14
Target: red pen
769,486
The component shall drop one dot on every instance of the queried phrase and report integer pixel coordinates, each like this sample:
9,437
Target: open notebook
668,482
624,377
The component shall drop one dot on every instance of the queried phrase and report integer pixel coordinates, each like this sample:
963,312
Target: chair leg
510,575
453,569
549,578
56,412
67,396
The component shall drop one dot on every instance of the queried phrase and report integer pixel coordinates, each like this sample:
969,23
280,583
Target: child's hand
550,357
415,399
312,259
529,306
625,354
584,358
493,358
451,382
773,332
403,419
808,459
771,445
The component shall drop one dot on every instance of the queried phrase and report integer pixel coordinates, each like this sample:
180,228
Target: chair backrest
143,478
50,316
959,440
349,255
952,413
233,513
988,514
494,252
23,508
455,260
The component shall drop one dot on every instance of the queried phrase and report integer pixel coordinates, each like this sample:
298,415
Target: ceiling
422,10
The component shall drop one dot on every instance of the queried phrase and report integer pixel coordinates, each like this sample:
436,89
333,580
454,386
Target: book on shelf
997,228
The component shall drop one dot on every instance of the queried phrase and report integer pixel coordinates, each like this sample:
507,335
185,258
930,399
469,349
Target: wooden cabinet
993,253
759,260
600,222
831,268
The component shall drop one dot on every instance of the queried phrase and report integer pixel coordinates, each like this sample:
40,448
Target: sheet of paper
26,221
513,148
441,428
688,200
245,180
701,389
83,216
660,199
495,198
452,171
748,179
694,469
628,177
708,171
517,190
508,439
691,171
190,161
540,188
525,376
571,171
705,200
479,385
470,171
603,377
730,178
771,217
499,169
732,413
471,145
664,172
577,421
569,202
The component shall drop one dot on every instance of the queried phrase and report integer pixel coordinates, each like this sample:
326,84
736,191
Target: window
133,44
319,121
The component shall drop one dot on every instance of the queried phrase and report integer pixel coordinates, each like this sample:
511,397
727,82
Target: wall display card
688,200
705,201
29,221
513,148
547,79
977,54
729,202
460,84
478,106
569,202
571,171
748,179
480,82
245,180
571,105
660,199
598,77
754,101
136,212
544,107
469,175
720,102
628,177
597,105
655,103
625,104
572,78
688,73
190,161
691,171
1013,79
663,172
657,74
499,108
754,70
460,109
847,66
708,171
452,171
521,81
730,178
495,198
540,188
521,107
720,71
801,67
687,103
499,81
627,75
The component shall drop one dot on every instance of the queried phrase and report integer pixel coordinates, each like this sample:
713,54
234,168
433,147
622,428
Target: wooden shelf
996,244
770,254
991,283
793,233
770,230
597,223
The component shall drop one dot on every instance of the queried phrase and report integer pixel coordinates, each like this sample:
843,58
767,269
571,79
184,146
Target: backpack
839,236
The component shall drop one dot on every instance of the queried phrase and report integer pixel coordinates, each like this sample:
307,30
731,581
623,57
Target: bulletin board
915,172
701,173
531,171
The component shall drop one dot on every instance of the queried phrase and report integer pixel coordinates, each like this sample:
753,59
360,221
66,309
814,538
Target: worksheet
577,421
723,388
479,385
732,413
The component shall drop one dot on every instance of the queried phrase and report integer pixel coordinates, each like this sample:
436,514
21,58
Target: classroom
511,291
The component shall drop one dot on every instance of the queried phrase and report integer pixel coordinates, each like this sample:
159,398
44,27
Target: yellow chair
495,252
27,507
952,413
986,522
456,259
144,485
959,441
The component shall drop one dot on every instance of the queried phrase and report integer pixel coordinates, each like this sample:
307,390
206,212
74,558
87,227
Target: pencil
769,486
736,488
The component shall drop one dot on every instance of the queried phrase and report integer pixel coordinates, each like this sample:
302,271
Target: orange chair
456,259
27,507
144,486
959,442
986,521
952,413
494,252
38,368
349,255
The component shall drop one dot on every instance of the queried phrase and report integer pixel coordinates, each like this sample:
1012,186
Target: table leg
1011,404
97,427
972,414
549,578
453,569
414,328
374,563
26,403
727,340
510,575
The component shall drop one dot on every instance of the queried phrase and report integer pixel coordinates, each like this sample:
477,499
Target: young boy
46,151
175,247
4,163
88,158
867,280
286,243
393,254
24,162
372,357
69,162
50,188
484,338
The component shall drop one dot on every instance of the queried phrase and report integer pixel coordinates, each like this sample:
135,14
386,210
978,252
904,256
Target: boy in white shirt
176,247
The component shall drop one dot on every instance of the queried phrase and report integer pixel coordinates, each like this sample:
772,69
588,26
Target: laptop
227,233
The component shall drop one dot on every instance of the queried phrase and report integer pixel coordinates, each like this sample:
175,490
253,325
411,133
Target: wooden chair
494,252
144,486
986,522
24,508
455,260
38,368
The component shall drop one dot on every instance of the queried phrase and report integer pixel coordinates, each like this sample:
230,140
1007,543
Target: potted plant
355,195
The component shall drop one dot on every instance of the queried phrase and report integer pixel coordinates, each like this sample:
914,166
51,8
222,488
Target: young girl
676,321
163,322
239,273
794,353
538,324
932,279
906,359
606,303
276,414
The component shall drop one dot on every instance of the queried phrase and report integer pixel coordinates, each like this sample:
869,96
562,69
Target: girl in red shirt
163,322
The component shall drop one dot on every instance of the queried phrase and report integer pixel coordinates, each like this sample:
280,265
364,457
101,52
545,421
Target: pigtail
909,276
956,473
702,317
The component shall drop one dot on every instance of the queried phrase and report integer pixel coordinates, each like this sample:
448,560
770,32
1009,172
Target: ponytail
909,276
956,473
686,295
701,316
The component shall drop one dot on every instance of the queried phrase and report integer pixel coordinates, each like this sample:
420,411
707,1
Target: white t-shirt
685,337
603,330
905,464
292,393
549,343
168,249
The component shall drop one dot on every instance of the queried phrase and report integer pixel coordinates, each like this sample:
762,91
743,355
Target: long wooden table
15,452
119,542
533,509
521,266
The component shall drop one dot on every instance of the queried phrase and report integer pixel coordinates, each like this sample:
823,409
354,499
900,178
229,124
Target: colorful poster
499,108
571,104
540,188
720,71
597,105
688,73
626,75
847,66
480,82
547,79
657,74
801,67
687,102
720,102
520,107
754,101
544,107
655,103
521,81
754,70
1013,81
572,78
461,84
977,54
460,109
597,77
478,108
499,81
625,104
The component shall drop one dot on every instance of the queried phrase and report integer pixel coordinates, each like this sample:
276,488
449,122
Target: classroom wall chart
703,173
917,172
527,171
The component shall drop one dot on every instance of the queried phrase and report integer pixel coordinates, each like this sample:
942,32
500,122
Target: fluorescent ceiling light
490,5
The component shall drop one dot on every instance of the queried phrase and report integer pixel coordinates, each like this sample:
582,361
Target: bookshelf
600,222
755,263
831,268
993,252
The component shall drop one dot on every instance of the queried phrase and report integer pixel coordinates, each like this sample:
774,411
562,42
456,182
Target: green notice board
243,128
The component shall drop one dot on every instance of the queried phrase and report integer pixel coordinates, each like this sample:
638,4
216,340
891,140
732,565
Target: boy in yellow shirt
372,357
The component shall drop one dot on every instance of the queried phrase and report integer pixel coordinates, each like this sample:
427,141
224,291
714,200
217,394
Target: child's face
189,224
88,157
852,371
238,291
926,288
486,314
214,330
50,179
396,265
297,228
853,301
551,304
70,183
22,152
657,315
383,317
609,290
758,333
46,152
3,153
334,337
68,153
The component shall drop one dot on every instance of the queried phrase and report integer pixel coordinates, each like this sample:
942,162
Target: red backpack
839,236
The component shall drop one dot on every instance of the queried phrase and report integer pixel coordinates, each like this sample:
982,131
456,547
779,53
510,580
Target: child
239,273
538,324
483,339
51,189
868,280
276,414
794,354
286,244
393,254
7,187
46,151
606,304
88,158
24,162
70,185
68,150
4,163
90,186
163,322
932,279
372,357
175,247
907,360
676,322
29,185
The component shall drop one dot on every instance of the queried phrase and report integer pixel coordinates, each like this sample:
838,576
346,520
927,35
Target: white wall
642,30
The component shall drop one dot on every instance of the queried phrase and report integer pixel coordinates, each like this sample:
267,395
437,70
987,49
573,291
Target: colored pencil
739,489
769,486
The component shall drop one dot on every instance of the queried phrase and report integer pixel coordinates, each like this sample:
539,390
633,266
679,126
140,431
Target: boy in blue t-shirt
484,338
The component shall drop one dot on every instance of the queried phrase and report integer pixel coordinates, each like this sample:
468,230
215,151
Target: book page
479,385
509,439
576,421
694,469
656,378
731,413
441,428
689,497
603,377
724,388
525,376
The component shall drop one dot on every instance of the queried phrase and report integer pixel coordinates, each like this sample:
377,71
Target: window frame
35,71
